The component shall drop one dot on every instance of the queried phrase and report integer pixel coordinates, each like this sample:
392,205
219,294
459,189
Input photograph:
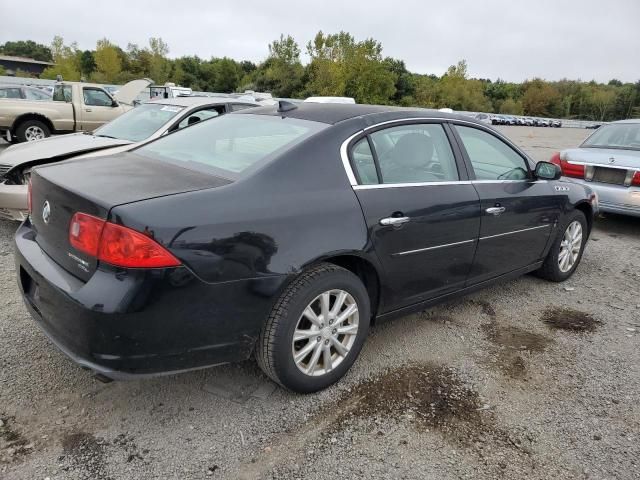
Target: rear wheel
566,251
31,130
316,329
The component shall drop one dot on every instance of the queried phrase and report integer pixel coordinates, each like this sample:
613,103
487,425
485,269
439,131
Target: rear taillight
636,179
117,245
29,197
568,169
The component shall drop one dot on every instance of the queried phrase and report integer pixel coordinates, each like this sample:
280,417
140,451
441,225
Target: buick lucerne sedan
284,232
609,162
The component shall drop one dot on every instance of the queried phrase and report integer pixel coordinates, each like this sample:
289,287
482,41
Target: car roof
629,120
195,101
333,113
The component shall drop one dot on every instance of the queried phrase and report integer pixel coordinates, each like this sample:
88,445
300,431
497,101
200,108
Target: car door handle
495,210
87,109
394,221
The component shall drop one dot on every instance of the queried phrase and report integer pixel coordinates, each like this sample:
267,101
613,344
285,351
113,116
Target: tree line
339,65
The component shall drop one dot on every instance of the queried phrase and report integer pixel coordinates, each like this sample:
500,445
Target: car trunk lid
94,186
606,165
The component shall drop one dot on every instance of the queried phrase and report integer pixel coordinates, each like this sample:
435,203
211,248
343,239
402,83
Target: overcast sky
513,40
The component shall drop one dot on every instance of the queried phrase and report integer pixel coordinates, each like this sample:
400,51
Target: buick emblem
46,211
612,159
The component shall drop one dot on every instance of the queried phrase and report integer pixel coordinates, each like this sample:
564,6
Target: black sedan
284,231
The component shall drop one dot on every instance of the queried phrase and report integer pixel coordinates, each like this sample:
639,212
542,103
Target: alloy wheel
34,133
570,246
325,332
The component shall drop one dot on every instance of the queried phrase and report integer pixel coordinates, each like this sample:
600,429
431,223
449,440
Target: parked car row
496,119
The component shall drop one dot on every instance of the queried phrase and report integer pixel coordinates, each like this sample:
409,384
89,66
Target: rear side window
491,158
364,163
10,93
33,94
415,153
230,144
62,93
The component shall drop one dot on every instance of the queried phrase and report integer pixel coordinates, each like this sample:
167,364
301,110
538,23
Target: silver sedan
609,162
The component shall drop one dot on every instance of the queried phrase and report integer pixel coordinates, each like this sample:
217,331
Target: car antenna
284,106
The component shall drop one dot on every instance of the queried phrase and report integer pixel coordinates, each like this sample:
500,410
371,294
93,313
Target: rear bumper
13,202
615,198
133,323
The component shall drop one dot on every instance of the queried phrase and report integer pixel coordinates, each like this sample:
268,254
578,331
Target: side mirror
115,104
548,171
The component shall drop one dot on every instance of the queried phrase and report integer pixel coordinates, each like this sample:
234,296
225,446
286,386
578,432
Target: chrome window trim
419,250
515,231
346,163
344,154
417,184
449,182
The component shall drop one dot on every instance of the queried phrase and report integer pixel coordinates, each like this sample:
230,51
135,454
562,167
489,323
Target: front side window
491,158
415,153
96,97
230,144
621,135
139,123
10,93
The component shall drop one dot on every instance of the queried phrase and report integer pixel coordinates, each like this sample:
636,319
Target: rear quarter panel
295,210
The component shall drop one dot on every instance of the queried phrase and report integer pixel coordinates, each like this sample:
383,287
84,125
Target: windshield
231,143
139,123
620,135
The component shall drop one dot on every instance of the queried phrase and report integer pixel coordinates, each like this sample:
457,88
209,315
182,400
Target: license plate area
615,176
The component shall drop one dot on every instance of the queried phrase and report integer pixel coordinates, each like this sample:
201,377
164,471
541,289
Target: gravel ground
527,379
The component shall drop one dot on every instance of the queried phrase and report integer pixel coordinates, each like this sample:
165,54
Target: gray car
609,162
139,125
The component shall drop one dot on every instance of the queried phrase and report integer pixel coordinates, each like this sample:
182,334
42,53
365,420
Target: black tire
274,349
550,269
21,131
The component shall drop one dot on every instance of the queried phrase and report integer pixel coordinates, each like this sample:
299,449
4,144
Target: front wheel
316,329
566,252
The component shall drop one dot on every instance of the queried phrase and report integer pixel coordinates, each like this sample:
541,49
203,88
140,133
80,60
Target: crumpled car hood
63,146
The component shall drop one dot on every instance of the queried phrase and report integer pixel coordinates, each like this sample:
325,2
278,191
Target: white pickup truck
75,107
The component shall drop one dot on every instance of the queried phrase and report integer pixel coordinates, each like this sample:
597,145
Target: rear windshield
621,135
139,123
230,144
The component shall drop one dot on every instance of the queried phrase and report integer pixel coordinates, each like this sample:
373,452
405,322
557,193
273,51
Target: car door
97,109
422,213
518,212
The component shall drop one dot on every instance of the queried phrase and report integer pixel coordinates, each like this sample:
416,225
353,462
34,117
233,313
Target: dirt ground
527,379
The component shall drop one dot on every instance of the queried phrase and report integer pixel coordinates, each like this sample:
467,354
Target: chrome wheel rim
33,133
570,247
325,332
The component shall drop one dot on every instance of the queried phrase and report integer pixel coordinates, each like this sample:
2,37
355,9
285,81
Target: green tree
282,72
2,70
66,61
87,63
29,49
108,63
539,98
512,107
